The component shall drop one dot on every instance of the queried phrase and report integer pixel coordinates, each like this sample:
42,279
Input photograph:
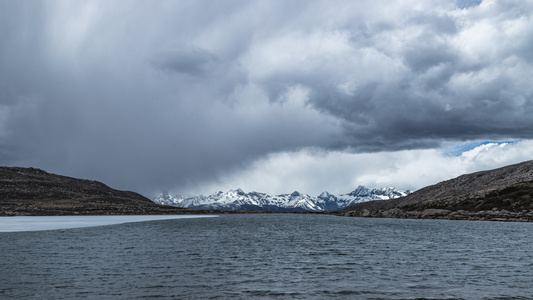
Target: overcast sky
195,96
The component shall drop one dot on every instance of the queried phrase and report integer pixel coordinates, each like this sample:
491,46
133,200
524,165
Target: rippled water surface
272,256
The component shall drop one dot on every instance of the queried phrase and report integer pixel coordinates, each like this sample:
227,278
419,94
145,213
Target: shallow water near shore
285,256
37,223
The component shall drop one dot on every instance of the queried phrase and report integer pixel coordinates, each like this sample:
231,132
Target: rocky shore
430,213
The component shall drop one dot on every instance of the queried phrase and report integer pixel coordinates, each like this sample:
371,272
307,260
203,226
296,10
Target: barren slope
29,191
503,193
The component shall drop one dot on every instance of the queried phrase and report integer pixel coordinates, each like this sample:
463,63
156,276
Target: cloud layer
314,171
175,94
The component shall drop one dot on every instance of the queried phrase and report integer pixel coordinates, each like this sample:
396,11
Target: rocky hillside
501,194
29,191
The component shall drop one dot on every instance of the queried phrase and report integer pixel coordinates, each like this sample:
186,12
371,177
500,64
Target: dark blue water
272,256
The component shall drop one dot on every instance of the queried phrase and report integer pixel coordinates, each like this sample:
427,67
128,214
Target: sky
193,97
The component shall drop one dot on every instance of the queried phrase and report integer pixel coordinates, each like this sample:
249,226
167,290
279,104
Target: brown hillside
29,191
501,194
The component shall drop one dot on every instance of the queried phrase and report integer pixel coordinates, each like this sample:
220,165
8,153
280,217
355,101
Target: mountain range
294,202
503,194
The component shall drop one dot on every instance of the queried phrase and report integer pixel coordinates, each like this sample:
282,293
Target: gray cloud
187,60
467,3
151,96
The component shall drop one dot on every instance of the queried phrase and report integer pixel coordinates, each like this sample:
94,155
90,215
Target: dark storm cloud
153,95
435,91
187,60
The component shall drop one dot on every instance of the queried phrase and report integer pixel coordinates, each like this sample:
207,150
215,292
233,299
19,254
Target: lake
265,256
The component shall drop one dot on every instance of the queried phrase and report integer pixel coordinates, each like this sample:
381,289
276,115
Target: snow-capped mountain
295,202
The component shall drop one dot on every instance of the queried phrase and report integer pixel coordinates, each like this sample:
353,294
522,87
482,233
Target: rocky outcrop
504,194
29,191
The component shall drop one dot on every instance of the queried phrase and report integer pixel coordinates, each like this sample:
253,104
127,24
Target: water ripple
272,256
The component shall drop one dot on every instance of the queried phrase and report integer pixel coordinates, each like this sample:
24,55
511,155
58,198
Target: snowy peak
325,195
381,193
295,194
294,202
360,191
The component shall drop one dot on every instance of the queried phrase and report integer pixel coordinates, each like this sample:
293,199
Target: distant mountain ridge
294,202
